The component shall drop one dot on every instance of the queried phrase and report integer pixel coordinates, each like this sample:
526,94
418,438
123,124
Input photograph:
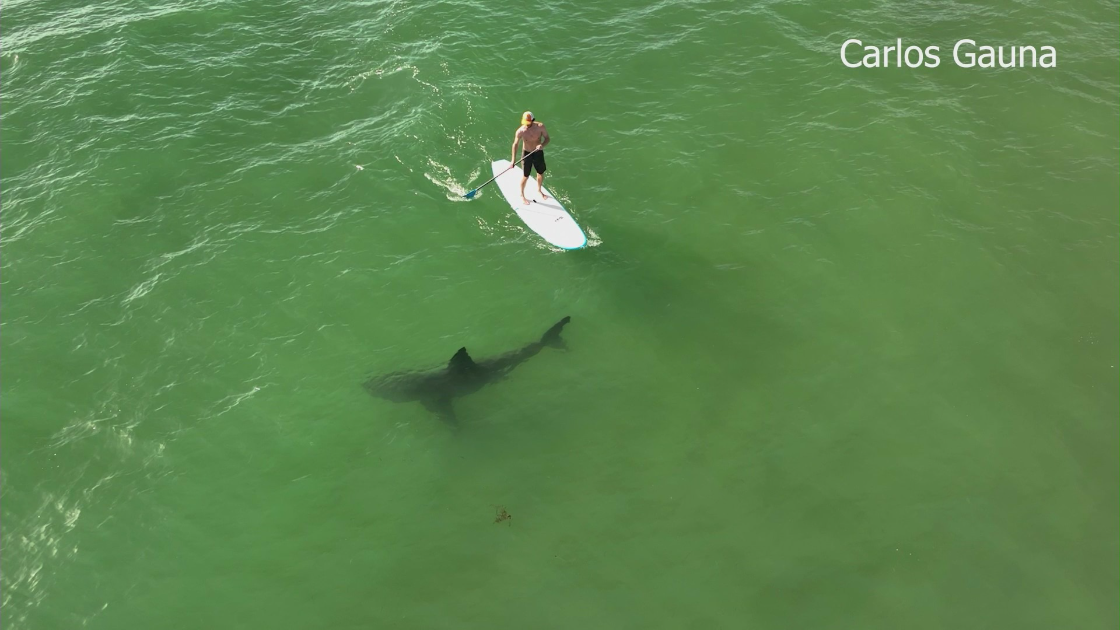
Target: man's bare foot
524,201
543,196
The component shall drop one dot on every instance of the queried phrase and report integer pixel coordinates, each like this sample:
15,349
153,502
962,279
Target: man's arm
513,151
545,139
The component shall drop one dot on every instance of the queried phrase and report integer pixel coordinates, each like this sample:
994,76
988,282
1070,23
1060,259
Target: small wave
593,239
141,290
444,179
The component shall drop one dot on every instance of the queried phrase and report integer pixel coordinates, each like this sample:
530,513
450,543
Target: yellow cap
526,118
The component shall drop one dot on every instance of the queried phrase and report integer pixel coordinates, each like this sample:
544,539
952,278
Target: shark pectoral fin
442,407
461,361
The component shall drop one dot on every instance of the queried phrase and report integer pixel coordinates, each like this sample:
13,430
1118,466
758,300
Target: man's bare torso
531,136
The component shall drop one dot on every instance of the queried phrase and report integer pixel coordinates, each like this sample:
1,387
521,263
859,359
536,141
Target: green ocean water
843,349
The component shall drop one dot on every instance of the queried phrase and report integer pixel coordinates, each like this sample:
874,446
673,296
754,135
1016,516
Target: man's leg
540,185
539,164
524,178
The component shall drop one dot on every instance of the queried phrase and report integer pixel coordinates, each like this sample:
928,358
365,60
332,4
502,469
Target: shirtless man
531,134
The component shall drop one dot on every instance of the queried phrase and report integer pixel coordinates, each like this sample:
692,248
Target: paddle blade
471,194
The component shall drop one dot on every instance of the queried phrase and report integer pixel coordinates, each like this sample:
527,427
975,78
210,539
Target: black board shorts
536,160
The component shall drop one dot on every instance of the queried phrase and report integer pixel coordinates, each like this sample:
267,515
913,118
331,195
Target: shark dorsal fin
461,361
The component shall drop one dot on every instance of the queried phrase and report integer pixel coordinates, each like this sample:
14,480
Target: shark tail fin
552,337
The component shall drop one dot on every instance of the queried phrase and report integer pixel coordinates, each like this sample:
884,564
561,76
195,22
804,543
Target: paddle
472,193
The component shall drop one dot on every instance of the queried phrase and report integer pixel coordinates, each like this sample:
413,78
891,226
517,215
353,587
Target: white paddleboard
544,216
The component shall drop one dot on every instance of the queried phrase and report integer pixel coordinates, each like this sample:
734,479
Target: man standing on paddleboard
531,133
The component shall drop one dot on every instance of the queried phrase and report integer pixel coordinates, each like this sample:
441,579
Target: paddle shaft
471,193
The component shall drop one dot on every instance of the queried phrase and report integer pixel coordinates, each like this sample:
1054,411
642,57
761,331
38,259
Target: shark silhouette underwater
438,387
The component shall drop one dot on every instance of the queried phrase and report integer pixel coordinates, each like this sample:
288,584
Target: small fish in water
500,514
